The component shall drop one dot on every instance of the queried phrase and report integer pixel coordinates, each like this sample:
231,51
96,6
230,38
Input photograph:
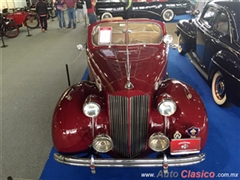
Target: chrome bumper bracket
92,165
165,164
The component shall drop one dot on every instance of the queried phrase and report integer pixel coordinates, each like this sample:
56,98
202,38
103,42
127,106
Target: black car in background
212,40
163,10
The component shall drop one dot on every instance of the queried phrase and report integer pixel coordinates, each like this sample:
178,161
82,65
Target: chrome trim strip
93,126
185,152
166,124
157,162
128,84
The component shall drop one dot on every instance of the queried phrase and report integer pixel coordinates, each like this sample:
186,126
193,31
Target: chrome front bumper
164,162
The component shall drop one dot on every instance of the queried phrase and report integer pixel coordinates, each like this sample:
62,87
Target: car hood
112,69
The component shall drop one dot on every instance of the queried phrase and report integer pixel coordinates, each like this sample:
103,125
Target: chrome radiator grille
128,123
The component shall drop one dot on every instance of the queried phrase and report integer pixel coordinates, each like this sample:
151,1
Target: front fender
72,131
187,30
190,112
187,27
227,63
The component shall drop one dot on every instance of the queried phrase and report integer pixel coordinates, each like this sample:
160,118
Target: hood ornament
128,85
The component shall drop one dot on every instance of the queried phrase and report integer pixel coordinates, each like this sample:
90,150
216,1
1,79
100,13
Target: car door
219,38
204,34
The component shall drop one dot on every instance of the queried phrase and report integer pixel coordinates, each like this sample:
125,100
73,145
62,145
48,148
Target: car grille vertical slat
119,122
138,123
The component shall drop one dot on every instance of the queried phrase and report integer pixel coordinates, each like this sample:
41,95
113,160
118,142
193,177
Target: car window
222,25
209,16
127,33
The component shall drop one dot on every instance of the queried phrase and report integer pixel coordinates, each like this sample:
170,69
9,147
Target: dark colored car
163,10
212,40
129,108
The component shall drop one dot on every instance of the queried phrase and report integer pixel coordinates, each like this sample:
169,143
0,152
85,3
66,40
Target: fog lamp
158,142
102,143
91,109
167,107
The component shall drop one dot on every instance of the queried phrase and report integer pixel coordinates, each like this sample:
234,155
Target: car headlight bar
158,142
167,107
102,143
91,107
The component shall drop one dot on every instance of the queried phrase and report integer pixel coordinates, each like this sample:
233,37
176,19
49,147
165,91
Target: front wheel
168,15
32,21
219,89
11,29
180,50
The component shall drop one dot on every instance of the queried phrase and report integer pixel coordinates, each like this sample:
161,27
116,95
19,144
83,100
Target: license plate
185,146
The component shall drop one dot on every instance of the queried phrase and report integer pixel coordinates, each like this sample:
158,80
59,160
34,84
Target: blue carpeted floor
222,148
177,18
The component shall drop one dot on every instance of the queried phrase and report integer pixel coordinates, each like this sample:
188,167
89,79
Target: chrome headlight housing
167,107
158,142
91,108
102,143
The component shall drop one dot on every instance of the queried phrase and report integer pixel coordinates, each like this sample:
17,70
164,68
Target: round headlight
158,142
167,107
91,109
102,143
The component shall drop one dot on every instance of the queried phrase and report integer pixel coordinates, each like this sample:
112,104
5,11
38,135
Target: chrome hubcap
220,88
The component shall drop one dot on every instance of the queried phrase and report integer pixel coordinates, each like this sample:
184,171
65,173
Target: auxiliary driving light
102,143
158,142
91,109
167,107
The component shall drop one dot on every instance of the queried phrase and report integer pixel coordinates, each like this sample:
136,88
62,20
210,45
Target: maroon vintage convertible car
129,108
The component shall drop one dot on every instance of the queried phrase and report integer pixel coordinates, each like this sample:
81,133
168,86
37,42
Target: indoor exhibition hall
119,89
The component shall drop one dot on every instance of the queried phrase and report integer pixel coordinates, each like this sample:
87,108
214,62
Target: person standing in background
71,5
42,11
79,9
59,5
91,11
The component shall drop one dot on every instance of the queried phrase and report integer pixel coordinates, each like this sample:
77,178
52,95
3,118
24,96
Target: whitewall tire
180,50
106,15
219,89
168,15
